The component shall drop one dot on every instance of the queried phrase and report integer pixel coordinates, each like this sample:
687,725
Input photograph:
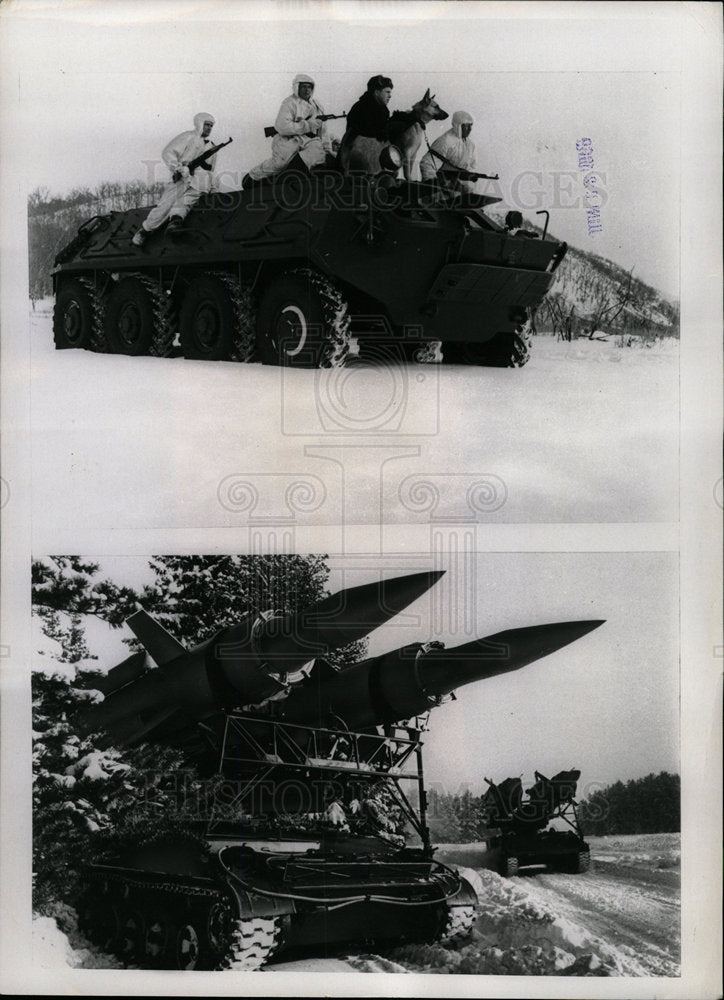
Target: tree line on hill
591,296
53,221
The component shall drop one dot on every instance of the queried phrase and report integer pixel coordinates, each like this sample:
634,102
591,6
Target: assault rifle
200,160
270,130
460,172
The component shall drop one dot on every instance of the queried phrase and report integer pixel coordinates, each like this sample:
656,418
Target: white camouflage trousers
178,199
283,149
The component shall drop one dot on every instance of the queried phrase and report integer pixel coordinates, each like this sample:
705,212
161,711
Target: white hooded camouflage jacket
186,146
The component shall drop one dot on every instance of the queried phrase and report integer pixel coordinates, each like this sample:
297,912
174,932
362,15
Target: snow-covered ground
586,432
621,918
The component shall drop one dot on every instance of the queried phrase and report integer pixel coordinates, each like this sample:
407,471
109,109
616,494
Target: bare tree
561,315
609,301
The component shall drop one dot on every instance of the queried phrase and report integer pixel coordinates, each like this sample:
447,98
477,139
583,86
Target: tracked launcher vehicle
520,835
317,833
295,269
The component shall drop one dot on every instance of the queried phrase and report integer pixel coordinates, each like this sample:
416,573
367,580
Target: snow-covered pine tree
90,797
470,818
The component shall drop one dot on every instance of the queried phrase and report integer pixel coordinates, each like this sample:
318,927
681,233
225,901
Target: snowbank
55,948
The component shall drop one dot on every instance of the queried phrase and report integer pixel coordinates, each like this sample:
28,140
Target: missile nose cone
342,618
445,669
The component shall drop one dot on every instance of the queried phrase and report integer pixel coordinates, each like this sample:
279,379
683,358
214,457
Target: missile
257,658
412,680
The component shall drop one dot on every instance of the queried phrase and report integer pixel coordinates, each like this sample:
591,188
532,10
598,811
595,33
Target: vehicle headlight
390,158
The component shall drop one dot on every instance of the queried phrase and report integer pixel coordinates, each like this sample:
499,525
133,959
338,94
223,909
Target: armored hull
232,893
290,271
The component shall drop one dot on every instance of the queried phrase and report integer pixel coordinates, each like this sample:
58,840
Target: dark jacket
367,117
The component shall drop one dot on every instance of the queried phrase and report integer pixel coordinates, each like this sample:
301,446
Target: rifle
270,130
462,173
200,160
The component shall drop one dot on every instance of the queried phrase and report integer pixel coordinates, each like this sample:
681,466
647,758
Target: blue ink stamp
591,184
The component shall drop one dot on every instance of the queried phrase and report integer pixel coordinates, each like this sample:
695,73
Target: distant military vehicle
316,834
292,270
520,835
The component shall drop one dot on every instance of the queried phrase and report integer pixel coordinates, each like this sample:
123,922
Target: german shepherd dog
405,129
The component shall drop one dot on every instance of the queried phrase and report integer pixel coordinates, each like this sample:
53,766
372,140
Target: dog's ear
433,96
427,97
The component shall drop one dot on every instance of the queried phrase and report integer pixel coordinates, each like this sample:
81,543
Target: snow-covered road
633,914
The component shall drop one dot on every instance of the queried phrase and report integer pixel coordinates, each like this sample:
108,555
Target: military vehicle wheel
583,863
253,943
220,927
100,921
129,318
510,867
303,322
74,314
507,350
156,939
206,320
459,923
504,350
186,944
131,947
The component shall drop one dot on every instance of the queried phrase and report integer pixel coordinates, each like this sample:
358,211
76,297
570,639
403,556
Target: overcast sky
102,88
607,704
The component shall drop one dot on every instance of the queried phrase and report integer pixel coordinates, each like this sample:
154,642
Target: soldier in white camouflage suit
180,196
300,131
381,815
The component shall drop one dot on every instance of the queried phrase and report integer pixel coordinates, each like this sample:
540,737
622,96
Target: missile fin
159,643
123,673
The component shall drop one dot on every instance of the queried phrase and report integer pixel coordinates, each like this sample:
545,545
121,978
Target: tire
253,943
129,320
390,351
504,350
459,924
74,314
208,319
510,867
303,322
583,863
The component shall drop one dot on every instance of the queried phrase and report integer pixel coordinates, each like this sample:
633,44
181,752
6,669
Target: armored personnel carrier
520,835
292,270
316,832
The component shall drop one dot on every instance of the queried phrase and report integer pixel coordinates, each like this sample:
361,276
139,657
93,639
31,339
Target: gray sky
103,87
607,704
